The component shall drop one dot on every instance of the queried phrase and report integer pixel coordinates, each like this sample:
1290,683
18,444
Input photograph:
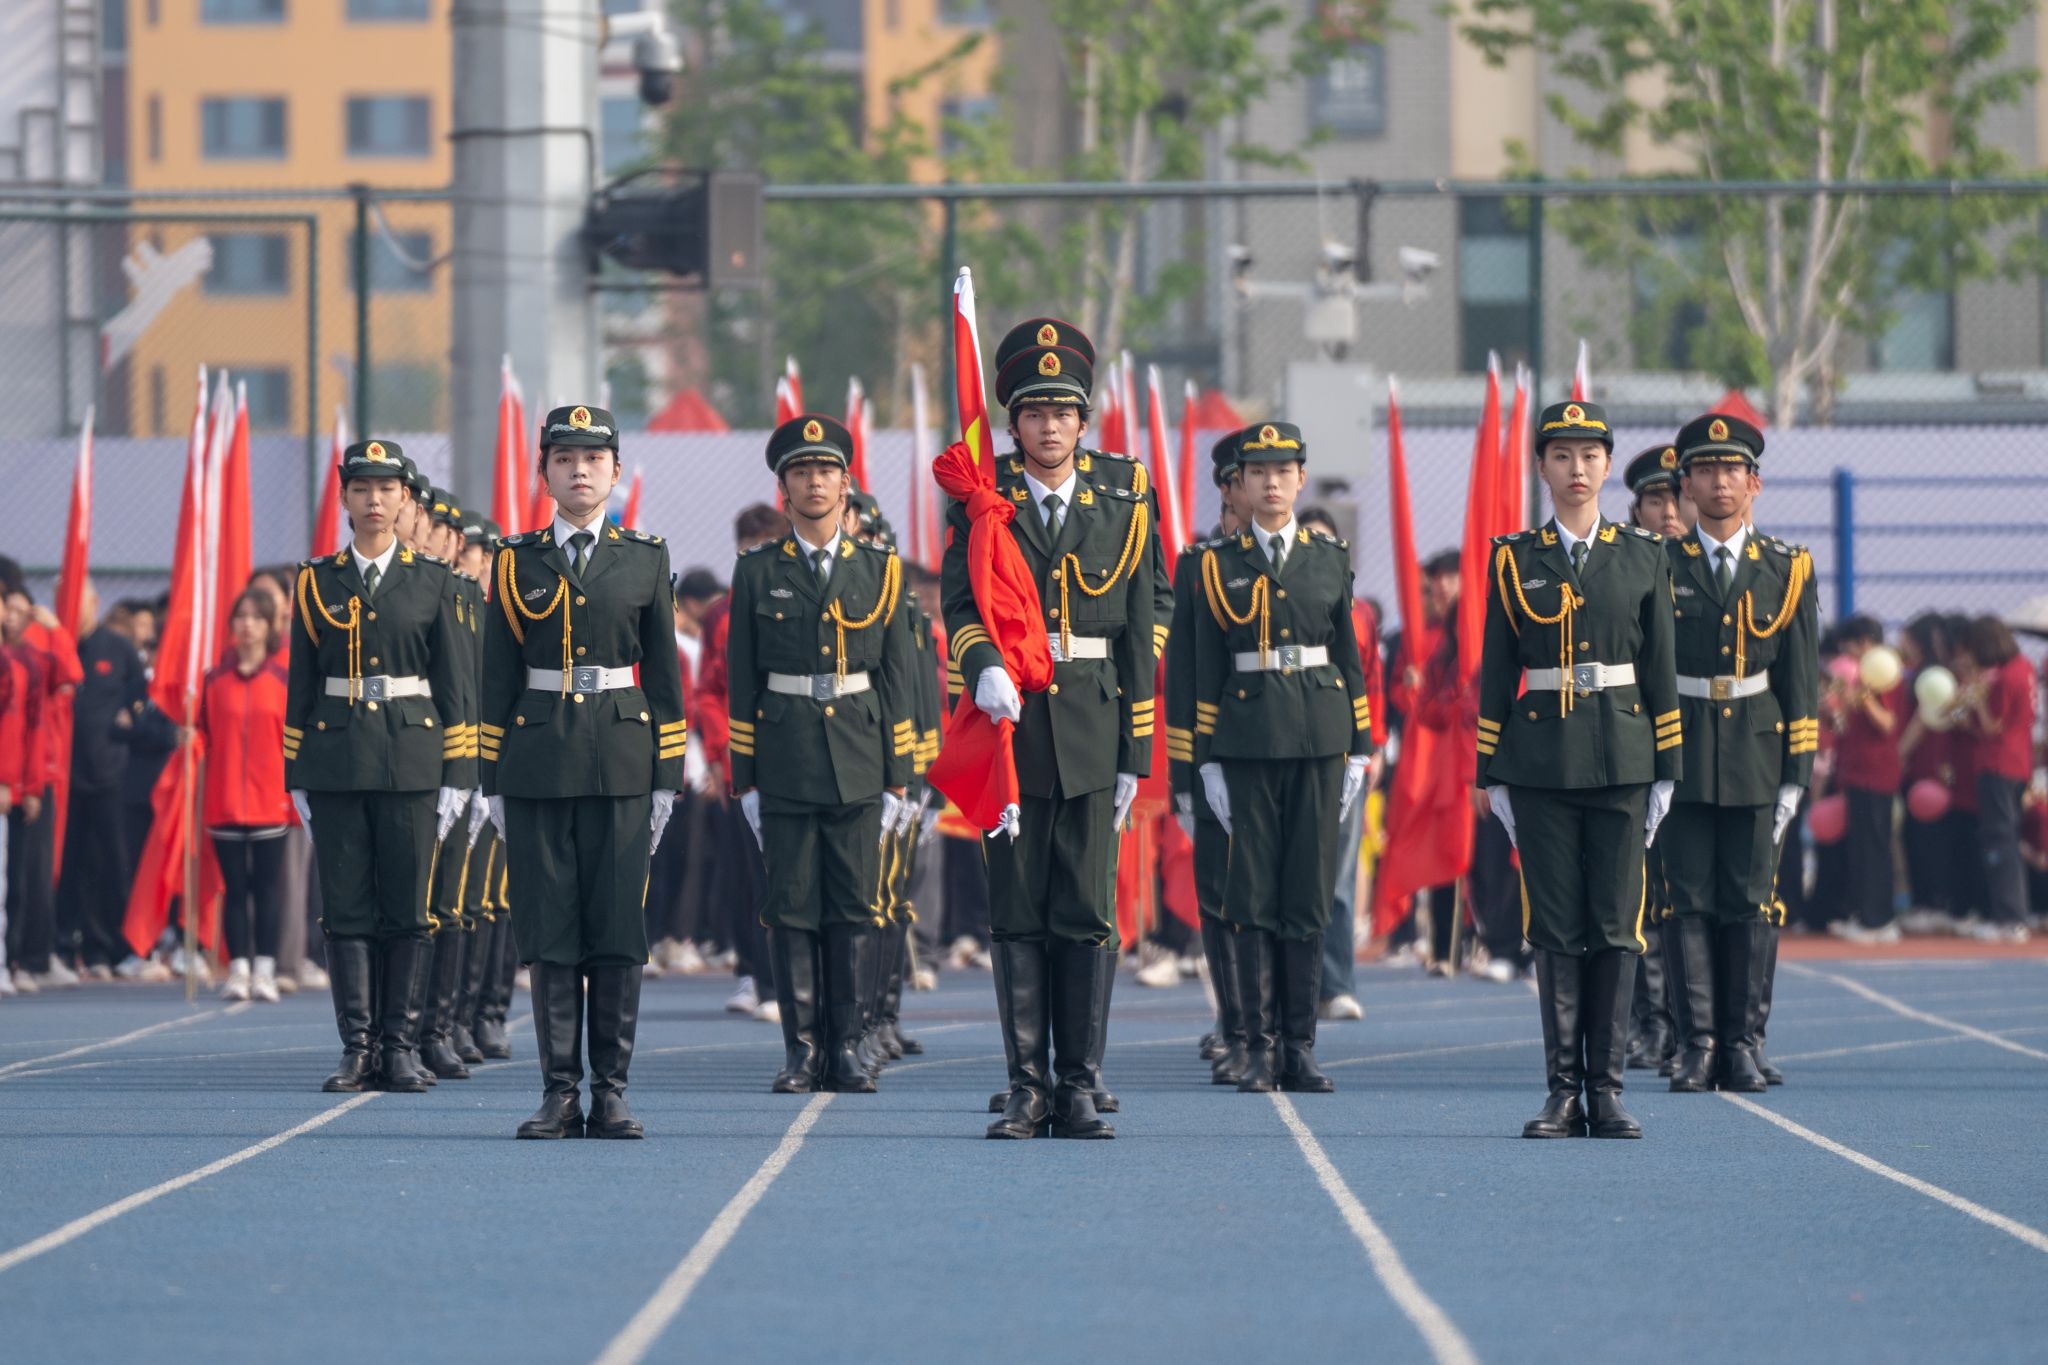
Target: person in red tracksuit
31,892
247,810
13,770
1996,708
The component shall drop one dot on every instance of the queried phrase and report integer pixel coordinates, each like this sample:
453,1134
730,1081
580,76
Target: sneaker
746,997
925,980
768,1012
25,983
651,968
1407,955
1923,922
522,980
98,971
312,976
7,984
690,959
1344,1006
237,984
961,955
263,980
1984,931
202,970
146,969
1498,970
981,960
287,984
1162,970
58,974
724,960
1852,932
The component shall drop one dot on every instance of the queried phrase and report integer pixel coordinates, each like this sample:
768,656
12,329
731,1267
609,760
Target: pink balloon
1927,800
1829,819
1844,669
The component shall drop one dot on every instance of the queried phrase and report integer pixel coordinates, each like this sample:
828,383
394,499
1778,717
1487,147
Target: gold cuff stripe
1667,716
1669,743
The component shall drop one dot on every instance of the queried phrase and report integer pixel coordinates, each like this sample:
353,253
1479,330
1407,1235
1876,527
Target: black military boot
558,1033
1212,1045
1300,991
848,948
1738,975
1607,977
1558,978
444,977
406,961
1698,1041
1255,953
1022,1006
1227,1067
892,998
873,1050
794,956
1105,986
475,940
1768,961
494,992
349,976
1674,994
1080,1032
612,1005
1650,1039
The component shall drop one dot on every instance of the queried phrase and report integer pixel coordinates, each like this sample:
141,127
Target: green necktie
579,549
1724,569
1277,548
370,579
819,559
1052,513
1579,558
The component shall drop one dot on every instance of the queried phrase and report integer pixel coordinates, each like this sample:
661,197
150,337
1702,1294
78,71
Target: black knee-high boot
1607,977
848,948
1024,1009
1699,1041
1080,1031
612,1006
349,977
558,1032
794,953
1227,1067
1300,991
1558,981
437,1053
1255,952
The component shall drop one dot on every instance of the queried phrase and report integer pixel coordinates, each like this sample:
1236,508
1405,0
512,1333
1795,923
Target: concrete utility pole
526,162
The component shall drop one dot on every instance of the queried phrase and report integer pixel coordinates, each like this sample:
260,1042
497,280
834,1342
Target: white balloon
1881,668
1935,688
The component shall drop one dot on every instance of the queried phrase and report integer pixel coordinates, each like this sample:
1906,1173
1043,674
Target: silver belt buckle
583,680
1585,679
376,688
824,686
1720,689
1052,644
1290,657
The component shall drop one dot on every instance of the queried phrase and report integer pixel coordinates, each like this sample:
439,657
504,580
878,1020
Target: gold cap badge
1574,413
580,418
1048,335
1049,365
1717,430
813,431
1268,435
375,451
1669,459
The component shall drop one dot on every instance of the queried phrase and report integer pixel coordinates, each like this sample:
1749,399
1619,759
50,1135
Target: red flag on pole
236,558
77,537
631,519
1111,432
1401,515
976,768
1188,460
794,379
925,539
1512,483
1127,403
178,665
1481,508
508,474
1582,375
856,426
327,521
1172,526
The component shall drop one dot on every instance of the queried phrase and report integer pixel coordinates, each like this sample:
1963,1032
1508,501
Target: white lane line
78,1227
1433,1052
105,1043
2032,1237
1446,1343
174,1057
1904,1010
639,1336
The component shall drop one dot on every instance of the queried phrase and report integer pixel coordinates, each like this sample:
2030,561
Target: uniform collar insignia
1608,533
613,533
1692,547
1016,464
1085,497
341,557
1549,536
1301,534
789,547
547,537
845,548
1753,551
1084,462
1244,540
404,555
1018,494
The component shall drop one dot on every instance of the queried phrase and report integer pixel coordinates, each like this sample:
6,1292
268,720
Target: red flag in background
327,521
1112,433
1127,403
508,474
178,666
1401,516
160,866
926,544
1188,460
857,427
1481,508
1173,531
235,558
77,540
1513,481
792,382
632,516
1582,375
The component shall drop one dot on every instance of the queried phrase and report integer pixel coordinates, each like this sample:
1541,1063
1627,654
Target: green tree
1832,91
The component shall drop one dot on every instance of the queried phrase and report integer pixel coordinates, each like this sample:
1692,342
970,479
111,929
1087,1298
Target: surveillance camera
658,60
1418,264
1240,259
1338,257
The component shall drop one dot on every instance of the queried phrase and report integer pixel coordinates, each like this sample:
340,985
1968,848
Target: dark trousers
928,897
823,864
1584,882
1719,861
665,871
253,908
578,868
31,902
1998,840
1867,856
1968,893
1283,843
374,851
92,897
1496,894
737,881
1927,862
967,912
1056,881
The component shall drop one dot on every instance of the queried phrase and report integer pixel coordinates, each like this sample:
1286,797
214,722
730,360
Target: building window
958,117
1922,334
624,6
1668,317
242,128
388,125
1348,98
386,11
249,263
240,12
270,395
155,134
1494,311
400,262
963,13
622,119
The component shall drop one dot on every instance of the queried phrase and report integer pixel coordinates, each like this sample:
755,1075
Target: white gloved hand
1217,792
1659,807
1497,797
657,819
1009,823
1354,783
997,696
1184,813
305,810
1126,793
479,811
1788,806
498,815
929,810
447,810
750,806
892,814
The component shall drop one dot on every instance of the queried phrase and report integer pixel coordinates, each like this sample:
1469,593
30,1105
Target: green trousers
1284,843
1212,860
1056,882
1584,879
1719,862
578,866
374,853
823,864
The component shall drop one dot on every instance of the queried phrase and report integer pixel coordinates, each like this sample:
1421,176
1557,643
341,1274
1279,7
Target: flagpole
191,894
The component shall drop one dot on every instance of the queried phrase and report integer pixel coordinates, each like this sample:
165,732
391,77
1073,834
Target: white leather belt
1584,678
1724,688
1077,647
1283,659
379,687
580,679
817,686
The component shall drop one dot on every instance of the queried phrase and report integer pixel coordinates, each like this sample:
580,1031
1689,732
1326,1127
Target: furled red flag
794,379
220,444
236,557
1112,430
327,521
976,768
1188,460
508,468
178,662
1173,527
631,519
857,427
1481,508
925,536
77,537
1512,486
1582,375
1126,381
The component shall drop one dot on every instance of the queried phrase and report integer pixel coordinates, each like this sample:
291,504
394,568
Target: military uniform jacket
1180,675
1541,615
554,742
928,712
363,741
1740,750
1246,607
1121,471
1096,719
821,749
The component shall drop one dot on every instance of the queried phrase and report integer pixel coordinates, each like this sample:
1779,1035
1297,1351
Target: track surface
143,1216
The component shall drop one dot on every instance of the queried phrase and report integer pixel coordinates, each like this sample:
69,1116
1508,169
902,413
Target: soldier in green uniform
1580,767
1080,745
1283,733
1225,1049
378,762
824,744
479,543
1656,504
1749,676
581,764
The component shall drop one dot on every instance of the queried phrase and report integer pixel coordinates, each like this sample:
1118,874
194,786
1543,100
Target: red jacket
1365,624
710,723
13,725
1867,758
242,720
33,669
2009,752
